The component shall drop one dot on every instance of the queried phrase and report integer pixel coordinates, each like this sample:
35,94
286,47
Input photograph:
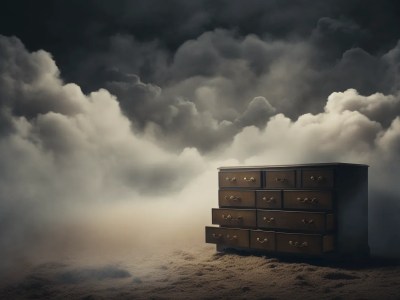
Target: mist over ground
111,128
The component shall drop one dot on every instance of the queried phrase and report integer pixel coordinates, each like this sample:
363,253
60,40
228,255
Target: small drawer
295,220
264,240
317,178
280,179
240,179
268,199
235,198
234,217
312,244
310,200
227,236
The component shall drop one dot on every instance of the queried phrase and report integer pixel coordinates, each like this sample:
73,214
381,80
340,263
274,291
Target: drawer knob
230,179
262,241
270,199
231,238
281,179
316,178
217,236
305,221
298,245
251,179
232,198
268,220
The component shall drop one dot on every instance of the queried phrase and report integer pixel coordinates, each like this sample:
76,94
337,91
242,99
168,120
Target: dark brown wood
264,240
244,179
307,200
292,220
299,243
317,178
243,218
236,198
280,179
269,199
227,236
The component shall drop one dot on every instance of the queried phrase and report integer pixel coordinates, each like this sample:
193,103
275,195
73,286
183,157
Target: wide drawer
313,244
264,240
227,236
240,179
310,200
268,199
235,198
280,179
317,178
234,217
295,220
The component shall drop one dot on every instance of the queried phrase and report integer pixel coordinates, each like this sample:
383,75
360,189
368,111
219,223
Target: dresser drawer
268,199
234,217
310,200
235,198
264,240
295,220
280,179
228,236
240,179
313,244
317,178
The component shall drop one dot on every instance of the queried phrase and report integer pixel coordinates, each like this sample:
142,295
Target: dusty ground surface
199,272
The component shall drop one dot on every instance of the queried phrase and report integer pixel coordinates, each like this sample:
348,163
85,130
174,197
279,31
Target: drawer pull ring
231,238
232,198
217,236
305,221
319,178
251,179
262,241
298,245
306,200
269,220
230,179
281,180
270,199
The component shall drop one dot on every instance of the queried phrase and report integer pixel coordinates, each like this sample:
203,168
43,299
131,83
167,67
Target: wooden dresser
308,210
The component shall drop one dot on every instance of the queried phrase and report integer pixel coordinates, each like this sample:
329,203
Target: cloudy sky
115,106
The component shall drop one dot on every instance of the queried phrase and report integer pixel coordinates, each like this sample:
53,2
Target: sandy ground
199,272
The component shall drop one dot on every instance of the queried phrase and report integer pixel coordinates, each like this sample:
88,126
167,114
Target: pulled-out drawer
264,240
295,220
228,236
235,198
234,217
240,179
310,244
268,199
310,200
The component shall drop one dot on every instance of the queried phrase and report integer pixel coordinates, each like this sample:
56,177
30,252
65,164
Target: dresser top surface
312,165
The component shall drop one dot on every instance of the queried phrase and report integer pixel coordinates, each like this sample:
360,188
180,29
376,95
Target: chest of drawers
308,210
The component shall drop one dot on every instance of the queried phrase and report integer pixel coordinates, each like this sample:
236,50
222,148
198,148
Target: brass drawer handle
230,218
217,236
298,245
230,179
306,200
262,241
233,198
318,178
251,179
305,221
231,238
269,220
268,200
281,179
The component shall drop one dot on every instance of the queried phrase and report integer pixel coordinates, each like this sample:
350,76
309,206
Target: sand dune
198,272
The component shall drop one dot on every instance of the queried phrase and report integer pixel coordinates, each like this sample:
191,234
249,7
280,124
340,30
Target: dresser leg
220,248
